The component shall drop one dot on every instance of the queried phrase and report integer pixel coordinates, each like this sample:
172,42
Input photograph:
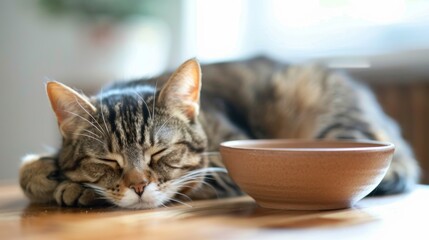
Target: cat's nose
138,188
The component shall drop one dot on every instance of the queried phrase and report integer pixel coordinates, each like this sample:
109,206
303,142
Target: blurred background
89,43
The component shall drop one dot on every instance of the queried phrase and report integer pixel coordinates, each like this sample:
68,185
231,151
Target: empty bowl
305,174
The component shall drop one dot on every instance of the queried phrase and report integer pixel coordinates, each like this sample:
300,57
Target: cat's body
112,140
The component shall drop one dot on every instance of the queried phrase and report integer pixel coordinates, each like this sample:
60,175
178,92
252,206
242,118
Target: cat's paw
72,194
401,176
35,179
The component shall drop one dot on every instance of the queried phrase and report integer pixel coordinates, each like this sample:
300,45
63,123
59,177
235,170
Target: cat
149,142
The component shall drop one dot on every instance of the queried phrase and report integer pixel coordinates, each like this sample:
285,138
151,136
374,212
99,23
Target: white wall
26,120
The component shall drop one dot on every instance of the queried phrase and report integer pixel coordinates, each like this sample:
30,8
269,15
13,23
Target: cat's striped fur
145,143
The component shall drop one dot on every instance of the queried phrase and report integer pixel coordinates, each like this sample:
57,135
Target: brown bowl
306,175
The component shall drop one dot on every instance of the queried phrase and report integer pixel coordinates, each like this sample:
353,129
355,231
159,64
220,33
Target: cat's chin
151,198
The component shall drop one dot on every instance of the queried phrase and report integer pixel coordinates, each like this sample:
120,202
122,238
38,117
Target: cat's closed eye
173,166
158,154
108,161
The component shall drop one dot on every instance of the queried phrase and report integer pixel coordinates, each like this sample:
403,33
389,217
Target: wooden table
399,217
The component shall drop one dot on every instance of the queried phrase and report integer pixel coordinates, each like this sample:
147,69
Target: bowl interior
307,145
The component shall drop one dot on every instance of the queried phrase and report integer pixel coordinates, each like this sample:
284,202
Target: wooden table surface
401,216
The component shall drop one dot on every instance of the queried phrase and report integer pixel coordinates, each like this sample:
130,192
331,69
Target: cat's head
139,147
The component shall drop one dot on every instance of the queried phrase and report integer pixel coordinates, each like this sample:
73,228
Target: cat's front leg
35,178
73,194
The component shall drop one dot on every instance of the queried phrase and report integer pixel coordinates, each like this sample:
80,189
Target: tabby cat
149,142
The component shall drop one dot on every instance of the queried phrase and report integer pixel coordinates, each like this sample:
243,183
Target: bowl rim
238,145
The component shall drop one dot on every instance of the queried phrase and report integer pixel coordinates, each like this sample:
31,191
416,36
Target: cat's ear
69,106
182,91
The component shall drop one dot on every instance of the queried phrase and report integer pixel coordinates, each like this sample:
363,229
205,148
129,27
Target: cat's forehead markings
147,136
163,129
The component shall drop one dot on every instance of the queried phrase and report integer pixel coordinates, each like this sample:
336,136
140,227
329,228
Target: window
299,30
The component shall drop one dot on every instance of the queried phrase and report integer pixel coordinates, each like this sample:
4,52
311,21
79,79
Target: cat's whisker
203,183
94,134
154,100
178,201
193,174
185,180
163,125
163,205
95,187
77,115
183,195
102,197
102,112
194,177
206,170
138,95
89,136
102,194
201,178
89,114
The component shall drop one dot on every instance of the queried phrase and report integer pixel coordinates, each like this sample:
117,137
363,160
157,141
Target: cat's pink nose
138,188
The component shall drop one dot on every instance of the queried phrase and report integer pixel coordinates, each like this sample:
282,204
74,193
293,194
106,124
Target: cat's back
238,76
274,99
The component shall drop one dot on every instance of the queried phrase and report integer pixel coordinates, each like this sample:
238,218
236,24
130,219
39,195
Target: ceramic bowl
306,175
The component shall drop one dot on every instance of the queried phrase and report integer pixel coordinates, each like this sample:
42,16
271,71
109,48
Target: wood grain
236,218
